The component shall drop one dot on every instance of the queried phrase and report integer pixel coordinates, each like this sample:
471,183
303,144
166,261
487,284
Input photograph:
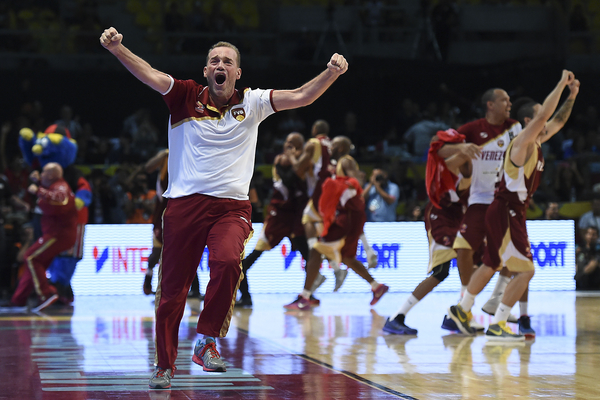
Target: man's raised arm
111,40
312,90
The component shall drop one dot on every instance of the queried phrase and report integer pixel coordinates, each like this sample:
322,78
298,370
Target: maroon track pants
38,258
189,224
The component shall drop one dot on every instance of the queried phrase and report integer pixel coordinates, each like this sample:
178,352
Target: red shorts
443,223
346,230
507,240
280,223
471,233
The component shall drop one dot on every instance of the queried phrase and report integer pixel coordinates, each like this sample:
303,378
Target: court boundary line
348,374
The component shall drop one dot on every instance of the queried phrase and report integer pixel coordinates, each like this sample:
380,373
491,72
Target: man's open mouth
220,79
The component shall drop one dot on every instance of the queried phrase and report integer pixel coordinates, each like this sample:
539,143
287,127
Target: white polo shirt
212,151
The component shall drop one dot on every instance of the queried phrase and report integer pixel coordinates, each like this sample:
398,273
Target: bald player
59,232
284,213
342,212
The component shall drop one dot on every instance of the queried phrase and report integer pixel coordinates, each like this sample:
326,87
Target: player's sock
408,304
305,294
502,313
501,284
467,301
523,307
334,265
374,284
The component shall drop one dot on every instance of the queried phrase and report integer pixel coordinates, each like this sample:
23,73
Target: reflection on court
103,348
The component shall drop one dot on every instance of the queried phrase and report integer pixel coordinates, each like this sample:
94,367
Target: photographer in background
381,197
587,256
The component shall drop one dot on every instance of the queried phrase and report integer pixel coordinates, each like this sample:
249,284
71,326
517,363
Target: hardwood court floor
103,348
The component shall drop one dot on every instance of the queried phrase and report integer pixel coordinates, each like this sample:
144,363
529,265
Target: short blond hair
226,44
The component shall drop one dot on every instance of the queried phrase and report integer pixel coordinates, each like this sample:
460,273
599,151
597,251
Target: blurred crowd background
416,66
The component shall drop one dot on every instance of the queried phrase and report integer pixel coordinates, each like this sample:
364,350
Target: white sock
334,264
523,307
305,294
366,245
311,242
500,286
502,313
463,289
408,304
374,285
467,301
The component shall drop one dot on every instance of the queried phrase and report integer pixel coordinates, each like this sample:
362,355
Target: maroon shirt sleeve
56,199
181,99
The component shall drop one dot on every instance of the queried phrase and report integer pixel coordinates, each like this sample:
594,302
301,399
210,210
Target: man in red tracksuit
59,232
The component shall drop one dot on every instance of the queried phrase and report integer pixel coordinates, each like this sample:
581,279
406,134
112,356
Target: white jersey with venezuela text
494,140
211,151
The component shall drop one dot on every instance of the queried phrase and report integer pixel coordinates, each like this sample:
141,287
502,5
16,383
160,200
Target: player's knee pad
442,271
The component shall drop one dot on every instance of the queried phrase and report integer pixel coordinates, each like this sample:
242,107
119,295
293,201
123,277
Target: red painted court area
103,348
62,355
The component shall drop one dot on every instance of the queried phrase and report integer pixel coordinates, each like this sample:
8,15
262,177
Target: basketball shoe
206,355
525,327
502,333
461,318
161,378
379,292
397,326
299,304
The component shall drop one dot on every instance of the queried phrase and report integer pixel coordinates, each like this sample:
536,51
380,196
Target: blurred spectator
416,214
118,185
17,175
588,254
419,135
139,203
381,197
406,115
290,122
67,121
590,218
121,150
569,184
551,212
103,198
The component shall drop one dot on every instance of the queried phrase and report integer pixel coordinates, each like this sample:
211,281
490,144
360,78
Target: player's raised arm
111,40
532,131
559,119
312,90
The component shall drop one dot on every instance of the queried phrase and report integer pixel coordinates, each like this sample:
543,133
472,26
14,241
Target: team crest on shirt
238,113
199,107
463,228
433,217
446,241
273,213
483,135
500,143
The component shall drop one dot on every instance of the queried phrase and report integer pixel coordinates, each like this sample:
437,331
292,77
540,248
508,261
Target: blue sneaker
449,324
397,326
525,327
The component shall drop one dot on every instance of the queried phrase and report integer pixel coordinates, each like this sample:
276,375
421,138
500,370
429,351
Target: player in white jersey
492,134
212,142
